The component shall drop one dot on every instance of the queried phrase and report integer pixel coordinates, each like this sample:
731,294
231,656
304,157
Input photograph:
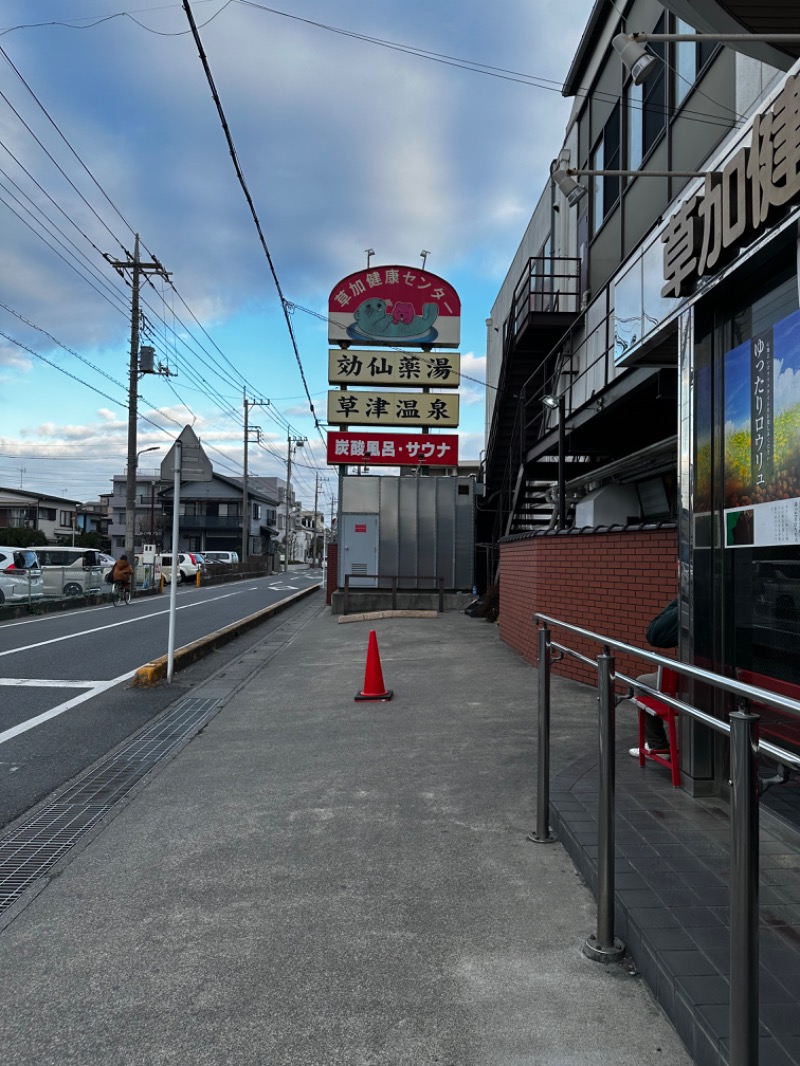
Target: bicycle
120,593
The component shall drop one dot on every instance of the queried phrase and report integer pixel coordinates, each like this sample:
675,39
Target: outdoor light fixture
573,190
636,58
642,63
424,256
550,401
369,252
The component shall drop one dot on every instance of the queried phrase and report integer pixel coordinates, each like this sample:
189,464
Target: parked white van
187,567
227,558
71,571
20,575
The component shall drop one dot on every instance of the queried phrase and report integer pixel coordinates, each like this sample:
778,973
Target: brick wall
332,573
612,583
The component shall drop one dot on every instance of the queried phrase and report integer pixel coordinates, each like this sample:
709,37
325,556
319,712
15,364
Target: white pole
173,583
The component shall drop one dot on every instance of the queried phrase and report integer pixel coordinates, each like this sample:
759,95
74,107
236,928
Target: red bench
775,724
668,757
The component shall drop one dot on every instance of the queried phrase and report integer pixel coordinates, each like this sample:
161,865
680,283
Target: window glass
654,114
596,163
635,97
686,60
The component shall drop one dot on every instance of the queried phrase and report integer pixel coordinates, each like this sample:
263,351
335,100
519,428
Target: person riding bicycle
121,573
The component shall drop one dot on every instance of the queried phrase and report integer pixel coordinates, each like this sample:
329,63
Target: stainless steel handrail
745,747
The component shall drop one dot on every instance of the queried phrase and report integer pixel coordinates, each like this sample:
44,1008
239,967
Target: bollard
542,834
743,1030
603,947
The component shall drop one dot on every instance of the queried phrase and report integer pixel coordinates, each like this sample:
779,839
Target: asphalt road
65,696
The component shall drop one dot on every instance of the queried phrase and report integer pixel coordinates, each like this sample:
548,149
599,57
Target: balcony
210,523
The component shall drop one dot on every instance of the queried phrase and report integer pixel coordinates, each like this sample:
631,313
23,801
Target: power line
242,182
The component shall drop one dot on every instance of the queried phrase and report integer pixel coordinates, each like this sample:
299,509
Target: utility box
424,528
610,505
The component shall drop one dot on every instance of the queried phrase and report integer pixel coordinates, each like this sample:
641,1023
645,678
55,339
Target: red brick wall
332,573
611,583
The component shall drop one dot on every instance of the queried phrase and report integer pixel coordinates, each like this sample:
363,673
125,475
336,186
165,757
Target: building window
690,58
65,518
257,510
634,107
606,156
47,514
654,101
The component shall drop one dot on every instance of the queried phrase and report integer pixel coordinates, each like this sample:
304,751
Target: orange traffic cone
374,688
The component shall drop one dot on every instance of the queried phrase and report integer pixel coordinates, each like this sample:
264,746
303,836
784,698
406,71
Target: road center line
111,625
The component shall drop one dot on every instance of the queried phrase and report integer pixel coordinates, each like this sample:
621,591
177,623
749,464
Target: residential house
53,515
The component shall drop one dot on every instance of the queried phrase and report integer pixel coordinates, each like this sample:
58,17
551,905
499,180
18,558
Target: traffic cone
374,688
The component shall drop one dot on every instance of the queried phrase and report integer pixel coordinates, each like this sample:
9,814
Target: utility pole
316,497
245,494
298,442
137,269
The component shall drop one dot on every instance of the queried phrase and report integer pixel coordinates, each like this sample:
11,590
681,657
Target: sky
401,128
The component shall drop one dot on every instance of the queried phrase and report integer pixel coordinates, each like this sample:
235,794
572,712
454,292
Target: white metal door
360,548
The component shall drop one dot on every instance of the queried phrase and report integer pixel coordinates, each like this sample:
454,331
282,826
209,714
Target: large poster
762,438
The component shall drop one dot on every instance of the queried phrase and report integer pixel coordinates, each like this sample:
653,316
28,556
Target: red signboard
395,306
392,449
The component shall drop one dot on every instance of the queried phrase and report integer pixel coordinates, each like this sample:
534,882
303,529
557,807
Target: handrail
742,728
729,684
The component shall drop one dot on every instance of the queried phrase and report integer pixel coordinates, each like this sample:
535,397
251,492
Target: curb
155,671
368,616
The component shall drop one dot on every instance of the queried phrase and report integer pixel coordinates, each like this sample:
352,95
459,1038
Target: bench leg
673,750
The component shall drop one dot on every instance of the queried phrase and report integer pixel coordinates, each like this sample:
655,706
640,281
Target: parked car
20,575
226,558
71,571
187,567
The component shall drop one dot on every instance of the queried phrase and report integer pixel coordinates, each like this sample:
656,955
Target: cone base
378,696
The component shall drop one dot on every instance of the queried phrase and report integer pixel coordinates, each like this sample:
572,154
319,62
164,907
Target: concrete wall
612,583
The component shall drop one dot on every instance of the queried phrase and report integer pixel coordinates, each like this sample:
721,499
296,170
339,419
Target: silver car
20,575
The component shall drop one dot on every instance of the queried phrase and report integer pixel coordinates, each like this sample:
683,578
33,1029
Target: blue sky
108,127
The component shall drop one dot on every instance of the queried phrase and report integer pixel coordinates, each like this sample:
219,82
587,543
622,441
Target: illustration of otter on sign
374,320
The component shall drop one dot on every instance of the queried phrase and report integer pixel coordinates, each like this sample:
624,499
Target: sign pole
173,584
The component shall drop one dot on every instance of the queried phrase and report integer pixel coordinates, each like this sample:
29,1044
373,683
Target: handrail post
542,834
604,947
744,890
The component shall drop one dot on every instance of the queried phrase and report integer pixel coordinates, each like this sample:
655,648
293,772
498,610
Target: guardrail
745,748
393,579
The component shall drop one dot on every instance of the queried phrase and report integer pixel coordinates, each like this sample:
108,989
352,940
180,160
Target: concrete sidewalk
315,881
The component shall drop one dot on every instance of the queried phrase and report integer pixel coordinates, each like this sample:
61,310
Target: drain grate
35,846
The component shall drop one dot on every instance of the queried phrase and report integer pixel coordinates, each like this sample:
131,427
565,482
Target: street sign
358,366
363,448
407,409
195,464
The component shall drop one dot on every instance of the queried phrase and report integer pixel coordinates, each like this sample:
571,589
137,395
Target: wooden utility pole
137,269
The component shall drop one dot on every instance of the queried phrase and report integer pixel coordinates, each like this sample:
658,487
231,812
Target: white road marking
111,625
35,682
54,712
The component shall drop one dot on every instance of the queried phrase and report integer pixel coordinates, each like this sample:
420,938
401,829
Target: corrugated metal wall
426,527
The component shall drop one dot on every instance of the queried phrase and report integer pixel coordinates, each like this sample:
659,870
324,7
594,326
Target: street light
574,191
642,63
152,448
